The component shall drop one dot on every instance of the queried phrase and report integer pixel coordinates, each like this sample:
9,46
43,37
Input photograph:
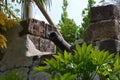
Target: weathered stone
24,24
1,54
35,40
42,31
40,28
14,55
104,13
44,45
37,27
47,46
106,29
38,76
112,46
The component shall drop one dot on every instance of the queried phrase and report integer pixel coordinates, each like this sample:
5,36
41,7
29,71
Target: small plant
85,63
14,75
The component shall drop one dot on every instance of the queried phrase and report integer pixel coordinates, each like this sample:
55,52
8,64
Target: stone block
106,29
104,13
47,46
110,45
37,27
44,45
35,40
15,54
39,76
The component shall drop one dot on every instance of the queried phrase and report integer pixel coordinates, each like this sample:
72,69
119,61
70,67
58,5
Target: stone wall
14,57
104,29
39,32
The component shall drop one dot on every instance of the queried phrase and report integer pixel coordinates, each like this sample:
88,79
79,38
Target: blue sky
75,8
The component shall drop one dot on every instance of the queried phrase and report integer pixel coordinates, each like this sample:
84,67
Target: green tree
67,26
86,18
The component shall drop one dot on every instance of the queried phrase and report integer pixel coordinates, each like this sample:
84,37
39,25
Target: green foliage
86,17
14,75
85,63
67,26
6,6
66,76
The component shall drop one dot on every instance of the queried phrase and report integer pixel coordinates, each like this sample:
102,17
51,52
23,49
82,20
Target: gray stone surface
38,76
112,46
102,30
37,27
44,45
14,57
41,29
104,13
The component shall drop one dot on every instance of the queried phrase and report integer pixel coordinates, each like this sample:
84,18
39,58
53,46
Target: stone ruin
14,57
103,32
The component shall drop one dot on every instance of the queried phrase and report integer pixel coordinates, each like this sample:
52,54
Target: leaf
41,69
52,63
117,62
59,57
17,10
101,57
3,41
84,47
89,49
69,76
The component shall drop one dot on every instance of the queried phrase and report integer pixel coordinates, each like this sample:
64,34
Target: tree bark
27,10
40,6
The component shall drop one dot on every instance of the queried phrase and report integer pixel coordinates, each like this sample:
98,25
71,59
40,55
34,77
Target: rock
15,54
112,46
104,13
102,30
38,76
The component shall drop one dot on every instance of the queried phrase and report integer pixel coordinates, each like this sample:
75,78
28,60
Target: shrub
84,64
14,75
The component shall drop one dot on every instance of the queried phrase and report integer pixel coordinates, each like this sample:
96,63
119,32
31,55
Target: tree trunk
27,10
40,6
